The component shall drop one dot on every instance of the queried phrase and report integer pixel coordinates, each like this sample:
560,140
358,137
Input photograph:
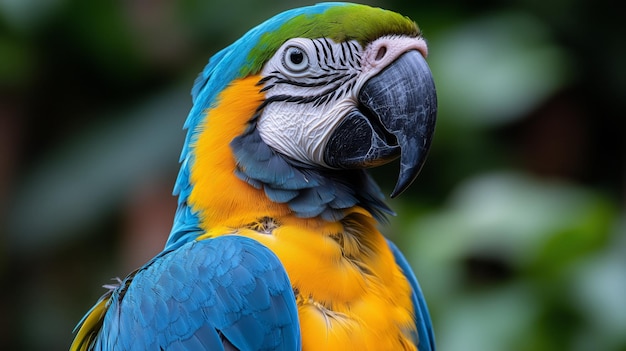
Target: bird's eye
295,59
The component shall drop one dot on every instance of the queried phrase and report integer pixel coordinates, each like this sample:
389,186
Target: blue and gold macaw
275,243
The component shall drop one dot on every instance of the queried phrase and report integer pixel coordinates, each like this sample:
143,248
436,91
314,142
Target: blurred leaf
510,213
586,233
495,69
487,322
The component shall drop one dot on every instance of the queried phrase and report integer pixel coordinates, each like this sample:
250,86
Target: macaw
275,243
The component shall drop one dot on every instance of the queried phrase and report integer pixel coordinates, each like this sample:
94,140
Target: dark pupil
296,56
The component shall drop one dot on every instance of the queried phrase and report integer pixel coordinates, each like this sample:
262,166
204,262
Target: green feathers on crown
341,22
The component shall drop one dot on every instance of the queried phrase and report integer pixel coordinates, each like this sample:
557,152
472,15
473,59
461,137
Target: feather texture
308,191
205,295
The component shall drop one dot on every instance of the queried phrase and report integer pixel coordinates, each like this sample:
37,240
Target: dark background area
516,227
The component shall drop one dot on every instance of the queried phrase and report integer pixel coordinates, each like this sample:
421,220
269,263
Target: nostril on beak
381,53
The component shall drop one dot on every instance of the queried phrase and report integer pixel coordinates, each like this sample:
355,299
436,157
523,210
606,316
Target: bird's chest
350,293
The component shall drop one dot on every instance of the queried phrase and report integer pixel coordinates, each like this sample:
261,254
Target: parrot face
339,105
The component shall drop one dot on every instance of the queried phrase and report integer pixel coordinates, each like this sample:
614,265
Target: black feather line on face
326,95
319,83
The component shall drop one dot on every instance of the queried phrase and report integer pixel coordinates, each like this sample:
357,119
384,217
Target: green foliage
499,262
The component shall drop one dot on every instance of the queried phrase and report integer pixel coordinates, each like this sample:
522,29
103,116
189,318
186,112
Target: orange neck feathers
220,197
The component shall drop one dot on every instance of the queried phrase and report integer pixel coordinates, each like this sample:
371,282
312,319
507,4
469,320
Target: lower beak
395,117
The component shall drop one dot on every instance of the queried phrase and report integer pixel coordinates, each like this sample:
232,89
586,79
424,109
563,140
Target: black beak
395,117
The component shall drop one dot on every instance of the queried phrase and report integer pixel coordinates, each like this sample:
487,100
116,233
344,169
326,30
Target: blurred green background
516,227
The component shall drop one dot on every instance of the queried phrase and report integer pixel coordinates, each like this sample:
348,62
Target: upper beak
395,117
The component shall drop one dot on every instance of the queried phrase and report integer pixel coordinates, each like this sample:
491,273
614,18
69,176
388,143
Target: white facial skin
314,83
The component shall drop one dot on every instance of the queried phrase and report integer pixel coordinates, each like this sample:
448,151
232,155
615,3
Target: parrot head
350,105
337,88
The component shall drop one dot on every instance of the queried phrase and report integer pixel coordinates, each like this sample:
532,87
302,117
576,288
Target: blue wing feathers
425,337
209,294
